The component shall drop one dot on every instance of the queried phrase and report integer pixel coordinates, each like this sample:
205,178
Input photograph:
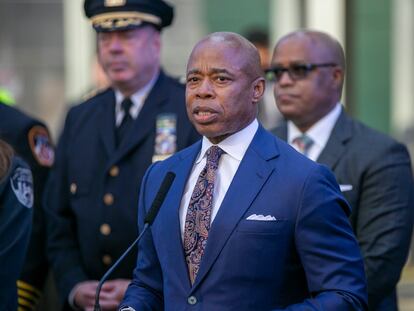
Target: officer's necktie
198,218
304,143
126,123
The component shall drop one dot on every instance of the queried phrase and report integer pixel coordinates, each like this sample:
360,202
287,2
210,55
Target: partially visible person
248,224
268,116
106,145
373,170
31,141
16,202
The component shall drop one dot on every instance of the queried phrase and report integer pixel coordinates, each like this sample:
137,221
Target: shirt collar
138,98
320,131
235,145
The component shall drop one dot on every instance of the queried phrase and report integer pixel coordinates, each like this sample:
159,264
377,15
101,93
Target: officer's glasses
295,71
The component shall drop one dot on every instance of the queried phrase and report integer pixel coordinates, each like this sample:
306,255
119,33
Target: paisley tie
198,218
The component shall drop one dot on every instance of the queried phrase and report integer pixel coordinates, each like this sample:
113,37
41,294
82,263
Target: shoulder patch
21,182
41,145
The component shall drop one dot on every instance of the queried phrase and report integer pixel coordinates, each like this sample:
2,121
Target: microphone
148,220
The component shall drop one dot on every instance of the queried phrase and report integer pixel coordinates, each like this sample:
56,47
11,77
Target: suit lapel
182,170
107,122
145,122
336,145
250,177
281,131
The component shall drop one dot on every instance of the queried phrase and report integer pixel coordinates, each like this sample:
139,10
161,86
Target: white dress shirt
319,132
235,147
138,99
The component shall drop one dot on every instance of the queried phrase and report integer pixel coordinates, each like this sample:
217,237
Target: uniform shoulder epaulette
93,93
41,145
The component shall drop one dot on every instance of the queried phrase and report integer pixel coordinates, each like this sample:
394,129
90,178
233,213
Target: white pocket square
261,217
345,188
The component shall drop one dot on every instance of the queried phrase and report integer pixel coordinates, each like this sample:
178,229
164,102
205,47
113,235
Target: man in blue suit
106,146
249,223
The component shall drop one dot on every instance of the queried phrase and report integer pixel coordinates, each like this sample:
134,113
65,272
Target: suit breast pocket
258,227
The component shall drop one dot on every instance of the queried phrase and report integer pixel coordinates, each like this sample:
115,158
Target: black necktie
126,123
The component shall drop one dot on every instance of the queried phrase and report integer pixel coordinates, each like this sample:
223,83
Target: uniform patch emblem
41,145
22,185
166,136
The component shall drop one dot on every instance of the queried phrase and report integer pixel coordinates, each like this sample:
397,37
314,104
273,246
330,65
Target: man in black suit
107,144
30,139
373,170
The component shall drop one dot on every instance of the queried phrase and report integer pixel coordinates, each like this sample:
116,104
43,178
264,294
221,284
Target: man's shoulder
90,100
366,136
16,118
173,82
89,105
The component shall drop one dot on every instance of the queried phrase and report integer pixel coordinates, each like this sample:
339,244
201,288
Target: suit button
105,229
73,188
114,171
106,259
108,199
192,300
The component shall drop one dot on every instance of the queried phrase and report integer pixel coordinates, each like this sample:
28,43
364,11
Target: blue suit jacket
307,259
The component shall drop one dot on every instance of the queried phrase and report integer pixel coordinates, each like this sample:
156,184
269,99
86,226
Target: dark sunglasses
295,71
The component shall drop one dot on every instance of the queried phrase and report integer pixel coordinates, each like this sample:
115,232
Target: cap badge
109,3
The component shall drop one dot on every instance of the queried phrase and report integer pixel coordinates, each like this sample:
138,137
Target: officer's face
130,58
220,92
307,99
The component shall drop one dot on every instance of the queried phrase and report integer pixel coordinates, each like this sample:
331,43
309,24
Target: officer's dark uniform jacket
94,186
30,140
16,201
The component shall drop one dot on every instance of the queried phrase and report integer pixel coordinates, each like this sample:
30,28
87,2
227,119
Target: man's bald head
242,47
330,49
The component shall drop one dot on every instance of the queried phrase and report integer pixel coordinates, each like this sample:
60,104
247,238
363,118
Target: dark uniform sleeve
16,202
31,141
37,150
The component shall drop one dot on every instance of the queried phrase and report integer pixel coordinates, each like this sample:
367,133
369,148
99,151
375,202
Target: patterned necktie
304,143
197,221
127,121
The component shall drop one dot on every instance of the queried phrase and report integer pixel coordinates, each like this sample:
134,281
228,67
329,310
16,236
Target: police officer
30,139
107,144
16,202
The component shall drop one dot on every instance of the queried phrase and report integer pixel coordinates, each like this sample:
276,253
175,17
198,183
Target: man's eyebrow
211,71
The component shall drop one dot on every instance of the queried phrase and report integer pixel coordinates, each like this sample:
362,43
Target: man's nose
115,44
206,89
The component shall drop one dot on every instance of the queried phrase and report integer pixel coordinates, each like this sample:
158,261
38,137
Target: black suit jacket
93,192
378,169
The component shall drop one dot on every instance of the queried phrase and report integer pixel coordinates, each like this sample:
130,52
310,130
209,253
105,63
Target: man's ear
338,75
258,89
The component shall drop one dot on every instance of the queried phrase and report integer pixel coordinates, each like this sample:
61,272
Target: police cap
110,15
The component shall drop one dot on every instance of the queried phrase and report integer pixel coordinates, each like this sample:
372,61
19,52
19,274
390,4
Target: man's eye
192,79
222,79
299,70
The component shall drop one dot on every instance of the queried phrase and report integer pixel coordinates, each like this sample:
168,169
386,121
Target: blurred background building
47,53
